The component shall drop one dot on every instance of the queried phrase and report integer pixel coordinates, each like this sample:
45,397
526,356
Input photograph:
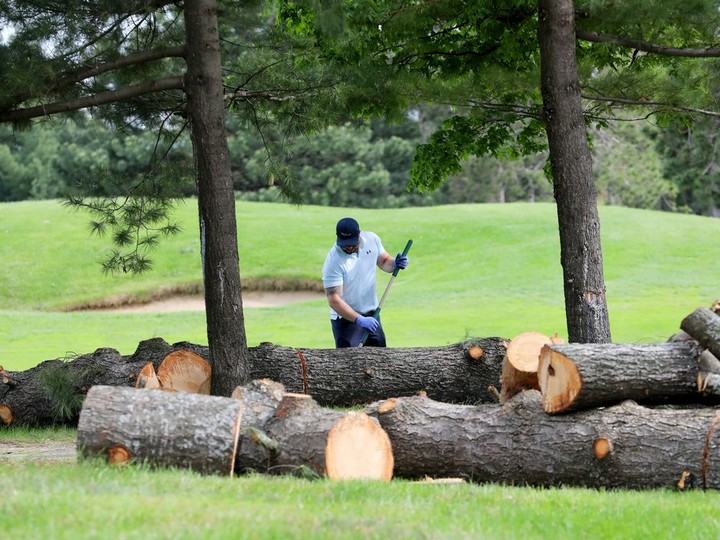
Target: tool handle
376,314
404,254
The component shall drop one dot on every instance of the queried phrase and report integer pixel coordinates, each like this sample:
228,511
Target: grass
90,500
476,270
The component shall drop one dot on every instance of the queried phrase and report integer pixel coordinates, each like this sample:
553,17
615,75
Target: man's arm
386,262
341,307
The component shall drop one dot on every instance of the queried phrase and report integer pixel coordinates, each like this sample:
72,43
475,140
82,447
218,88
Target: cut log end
520,365
524,351
559,380
602,447
387,405
6,414
185,371
118,455
147,378
476,352
357,447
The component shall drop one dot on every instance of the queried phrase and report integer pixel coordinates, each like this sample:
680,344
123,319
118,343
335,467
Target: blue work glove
401,261
368,323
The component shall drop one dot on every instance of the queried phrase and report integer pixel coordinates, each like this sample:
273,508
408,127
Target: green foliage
62,387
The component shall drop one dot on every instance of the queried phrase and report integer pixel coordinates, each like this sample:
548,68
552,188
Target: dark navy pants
349,334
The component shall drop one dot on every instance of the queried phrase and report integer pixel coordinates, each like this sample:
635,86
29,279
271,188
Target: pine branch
102,98
646,46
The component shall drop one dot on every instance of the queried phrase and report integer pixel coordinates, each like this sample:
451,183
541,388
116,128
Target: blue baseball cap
348,232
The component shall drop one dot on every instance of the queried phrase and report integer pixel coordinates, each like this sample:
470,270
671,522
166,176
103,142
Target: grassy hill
476,270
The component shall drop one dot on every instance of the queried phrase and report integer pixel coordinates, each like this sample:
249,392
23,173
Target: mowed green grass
94,501
476,270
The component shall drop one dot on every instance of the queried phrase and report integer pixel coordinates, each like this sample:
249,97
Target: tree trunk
333,377
581,376
287,433
169,429
573,187
625,446
216,201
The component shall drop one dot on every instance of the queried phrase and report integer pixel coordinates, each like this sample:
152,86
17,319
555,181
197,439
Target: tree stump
170,429
624,446
583,375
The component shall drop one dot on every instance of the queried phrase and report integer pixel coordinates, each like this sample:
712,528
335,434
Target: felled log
520,364
583,375
703,324
292,434
458,373
624,446
52,392
169,429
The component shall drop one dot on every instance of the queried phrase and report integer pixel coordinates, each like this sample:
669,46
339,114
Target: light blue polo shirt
355,272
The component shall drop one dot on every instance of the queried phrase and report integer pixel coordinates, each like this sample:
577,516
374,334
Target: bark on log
170,429
581,376
703,324
288,433
345,377
460,373
624,446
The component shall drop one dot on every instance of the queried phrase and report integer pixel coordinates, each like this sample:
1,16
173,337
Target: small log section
460,373
289,433
703,324
169,429
520,364
624,446
579,376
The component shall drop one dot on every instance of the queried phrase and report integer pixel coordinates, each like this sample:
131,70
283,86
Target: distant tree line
636,164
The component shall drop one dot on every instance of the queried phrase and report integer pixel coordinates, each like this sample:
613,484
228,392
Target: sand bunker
251,299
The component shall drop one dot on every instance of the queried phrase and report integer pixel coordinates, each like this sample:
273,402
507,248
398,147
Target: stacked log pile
457,373
594,415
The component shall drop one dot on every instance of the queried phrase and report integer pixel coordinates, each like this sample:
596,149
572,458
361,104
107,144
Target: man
349,279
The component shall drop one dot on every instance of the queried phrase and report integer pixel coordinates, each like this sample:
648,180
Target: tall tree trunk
216,201
574,190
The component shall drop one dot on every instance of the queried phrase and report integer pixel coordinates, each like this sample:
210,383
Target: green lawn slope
476,270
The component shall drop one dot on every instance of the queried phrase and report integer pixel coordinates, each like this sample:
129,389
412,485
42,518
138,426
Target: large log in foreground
580,376
170,429
260,429
624,446
53,391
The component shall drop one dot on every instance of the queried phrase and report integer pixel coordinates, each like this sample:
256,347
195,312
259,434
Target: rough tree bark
333,377
169,429
573,187
216,200
581,376
625,446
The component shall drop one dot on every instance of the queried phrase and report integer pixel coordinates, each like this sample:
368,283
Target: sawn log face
518,443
